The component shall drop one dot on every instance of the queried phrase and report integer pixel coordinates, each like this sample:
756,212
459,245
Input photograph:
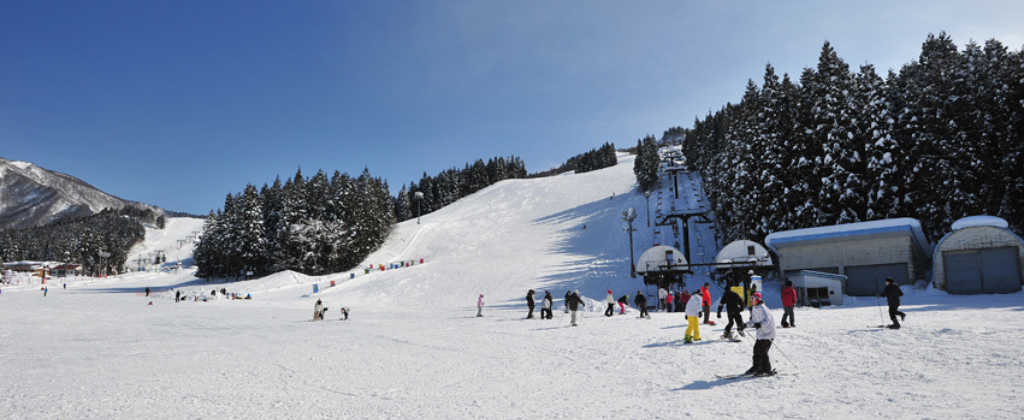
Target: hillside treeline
450,185
314,226
599,158
938,140
99,242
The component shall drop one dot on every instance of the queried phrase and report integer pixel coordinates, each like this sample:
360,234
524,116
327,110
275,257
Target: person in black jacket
530,303
892,295
623,303
568,293
733,304
641,303
574,303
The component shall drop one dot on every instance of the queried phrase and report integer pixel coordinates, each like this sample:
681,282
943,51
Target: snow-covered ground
413,347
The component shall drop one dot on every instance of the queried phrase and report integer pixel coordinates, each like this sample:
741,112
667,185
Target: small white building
818,289
866,253
980,255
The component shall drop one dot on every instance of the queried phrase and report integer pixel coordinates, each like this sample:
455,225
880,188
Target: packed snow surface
414,348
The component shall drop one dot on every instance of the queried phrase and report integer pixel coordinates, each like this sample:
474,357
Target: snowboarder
693,319
892,295
623,302
762,320
480,306
733,304
530,302
318,309
574,303
611,304
788,301
705,303
545,307
669,305
641,303
568,293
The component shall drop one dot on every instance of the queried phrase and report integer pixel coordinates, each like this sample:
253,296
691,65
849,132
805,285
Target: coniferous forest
99,242
938,140
315,226
452,184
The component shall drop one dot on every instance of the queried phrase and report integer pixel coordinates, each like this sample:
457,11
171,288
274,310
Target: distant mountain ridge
34,196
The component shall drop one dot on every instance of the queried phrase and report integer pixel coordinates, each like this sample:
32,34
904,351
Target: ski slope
413,347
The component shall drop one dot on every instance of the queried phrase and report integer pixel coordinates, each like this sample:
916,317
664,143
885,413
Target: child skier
762,320
693,319
623,302
480,306
733,304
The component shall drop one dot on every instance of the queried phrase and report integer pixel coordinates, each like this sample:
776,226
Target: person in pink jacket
788,302
480,306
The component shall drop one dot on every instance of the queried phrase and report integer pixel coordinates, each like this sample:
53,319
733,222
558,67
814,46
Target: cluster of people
319,310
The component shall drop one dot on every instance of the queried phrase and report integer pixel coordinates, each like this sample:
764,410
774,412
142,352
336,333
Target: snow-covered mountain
33,196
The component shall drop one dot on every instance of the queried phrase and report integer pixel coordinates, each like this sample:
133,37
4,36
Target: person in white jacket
762,320
611,304
693,309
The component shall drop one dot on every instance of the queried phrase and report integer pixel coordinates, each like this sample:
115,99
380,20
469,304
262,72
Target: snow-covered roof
656,259
850,231
739,253
972,221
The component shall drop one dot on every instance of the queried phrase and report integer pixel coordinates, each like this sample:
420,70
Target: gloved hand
757,325
719,315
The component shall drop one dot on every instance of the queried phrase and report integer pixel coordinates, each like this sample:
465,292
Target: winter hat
757,297
609,291
577,291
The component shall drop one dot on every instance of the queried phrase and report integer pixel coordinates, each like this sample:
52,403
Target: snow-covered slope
413,347
32,196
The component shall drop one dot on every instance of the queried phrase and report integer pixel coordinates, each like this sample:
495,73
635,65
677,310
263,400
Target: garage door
963,272
993,270
869,280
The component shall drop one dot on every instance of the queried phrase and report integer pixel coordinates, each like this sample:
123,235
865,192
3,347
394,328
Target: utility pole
647,198
629,216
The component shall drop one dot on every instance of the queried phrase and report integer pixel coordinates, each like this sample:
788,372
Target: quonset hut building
980,255
866,253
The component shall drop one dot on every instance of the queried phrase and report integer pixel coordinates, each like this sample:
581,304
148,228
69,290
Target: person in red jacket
705,302
788,301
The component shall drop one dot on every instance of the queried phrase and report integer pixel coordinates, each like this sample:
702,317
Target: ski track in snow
413,347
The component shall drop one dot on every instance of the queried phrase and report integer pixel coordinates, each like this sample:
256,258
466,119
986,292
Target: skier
788,301
669,306
623,302
530,303
611,304
177,296
147,291
574,302
344,311
892,295
706,303
480,306
761,319
641,303
546,306
568,293
693,319
45,291
317,309
733,304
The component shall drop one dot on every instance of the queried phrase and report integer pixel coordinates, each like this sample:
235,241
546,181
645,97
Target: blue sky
178,103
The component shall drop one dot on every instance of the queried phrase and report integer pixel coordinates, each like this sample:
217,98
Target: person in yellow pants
693,309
